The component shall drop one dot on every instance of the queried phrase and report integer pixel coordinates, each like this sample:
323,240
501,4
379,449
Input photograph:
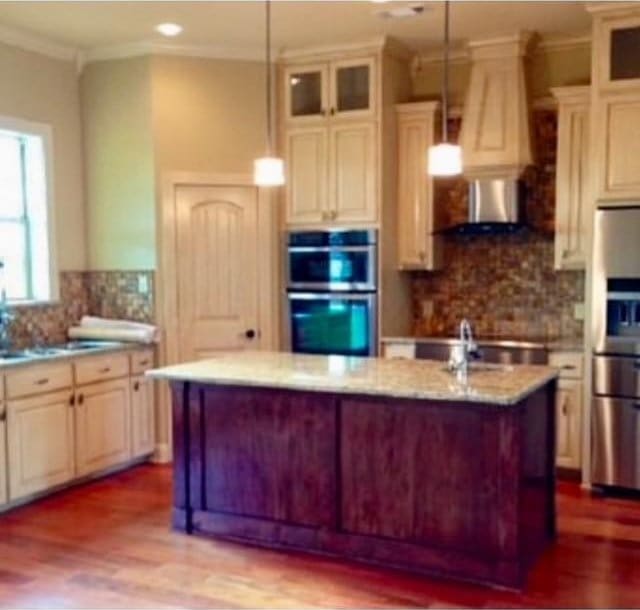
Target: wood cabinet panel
142,416
393,488
4,492
352,172
569,418
102,425
141,361
41,443
255,462
307,180
101,368
38,379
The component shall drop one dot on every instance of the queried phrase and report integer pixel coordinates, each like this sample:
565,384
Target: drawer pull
81,399
143,362
3,416
72,400
136,386
106,369
42,381
568,367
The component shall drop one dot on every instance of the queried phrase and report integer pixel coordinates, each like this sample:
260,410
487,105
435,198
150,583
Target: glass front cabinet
341,88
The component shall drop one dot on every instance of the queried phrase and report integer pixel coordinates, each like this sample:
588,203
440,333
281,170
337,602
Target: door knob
250,334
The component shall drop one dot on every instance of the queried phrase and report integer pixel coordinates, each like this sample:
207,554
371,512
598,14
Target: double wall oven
615,414
332,292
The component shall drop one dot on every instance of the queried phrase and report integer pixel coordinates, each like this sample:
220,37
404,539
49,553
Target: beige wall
208,114
38,88
117,119
545,69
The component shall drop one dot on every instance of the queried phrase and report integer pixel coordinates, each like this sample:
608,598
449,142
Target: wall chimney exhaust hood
495,122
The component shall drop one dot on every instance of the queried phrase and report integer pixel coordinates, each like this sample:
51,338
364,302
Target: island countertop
500,385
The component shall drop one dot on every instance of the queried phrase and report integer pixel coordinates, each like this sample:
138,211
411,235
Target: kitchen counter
568,344
416,379
388,462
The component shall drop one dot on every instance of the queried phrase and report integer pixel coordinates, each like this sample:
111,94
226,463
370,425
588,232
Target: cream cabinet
4,492
572,177
40,434
398,350
103,425
142,416
340,88
617,147
418,247
569,406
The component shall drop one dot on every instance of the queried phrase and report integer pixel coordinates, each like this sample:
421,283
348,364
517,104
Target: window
28,271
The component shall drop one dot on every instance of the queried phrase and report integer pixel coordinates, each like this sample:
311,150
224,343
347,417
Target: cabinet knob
81,399
332,111
72,400
3,416
250,334
136,386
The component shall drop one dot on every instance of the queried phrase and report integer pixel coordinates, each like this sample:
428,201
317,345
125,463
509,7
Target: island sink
388,462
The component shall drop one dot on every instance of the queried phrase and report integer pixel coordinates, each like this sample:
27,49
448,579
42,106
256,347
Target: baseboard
162,454
568,474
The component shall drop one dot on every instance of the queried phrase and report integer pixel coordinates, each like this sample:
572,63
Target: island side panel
181,467
266,454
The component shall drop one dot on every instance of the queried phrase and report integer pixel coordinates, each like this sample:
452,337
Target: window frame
45,133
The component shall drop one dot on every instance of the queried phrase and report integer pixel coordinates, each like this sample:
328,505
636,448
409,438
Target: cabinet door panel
568,418
618,146
273,455
102,425
307,175
353,172
306,92
4,494
41,443
353,88
142,416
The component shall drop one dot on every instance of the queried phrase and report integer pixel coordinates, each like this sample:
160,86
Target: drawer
101,368
38,379
141,361
400,350
571,364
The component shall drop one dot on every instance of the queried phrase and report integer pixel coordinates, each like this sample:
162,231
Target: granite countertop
60,354
551,344
418,379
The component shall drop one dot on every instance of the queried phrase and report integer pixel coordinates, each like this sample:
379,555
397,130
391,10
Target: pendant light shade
445,159
268,170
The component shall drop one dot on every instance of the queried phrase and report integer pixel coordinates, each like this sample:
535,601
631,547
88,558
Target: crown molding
563,43
139,49
37,44
376,43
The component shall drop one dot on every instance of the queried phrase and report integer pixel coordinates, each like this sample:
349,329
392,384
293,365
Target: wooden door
142,416
40,442
102,425
617,128
217,261
568,418
352,172
4,495
306,167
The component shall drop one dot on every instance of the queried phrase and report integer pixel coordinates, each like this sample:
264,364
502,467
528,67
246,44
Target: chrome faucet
461,353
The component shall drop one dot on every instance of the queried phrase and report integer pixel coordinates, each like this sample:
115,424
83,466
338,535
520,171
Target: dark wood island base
456,489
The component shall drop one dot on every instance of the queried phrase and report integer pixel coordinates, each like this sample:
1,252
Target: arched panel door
217,269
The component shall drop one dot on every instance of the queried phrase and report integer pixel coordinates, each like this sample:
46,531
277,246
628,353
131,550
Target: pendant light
445,159
268,170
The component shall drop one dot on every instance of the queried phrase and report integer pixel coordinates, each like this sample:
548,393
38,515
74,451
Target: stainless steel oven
332,292
615,413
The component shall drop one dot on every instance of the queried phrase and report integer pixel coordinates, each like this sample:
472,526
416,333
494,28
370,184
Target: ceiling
239,25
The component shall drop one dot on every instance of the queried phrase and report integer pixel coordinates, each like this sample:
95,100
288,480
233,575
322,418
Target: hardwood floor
108,544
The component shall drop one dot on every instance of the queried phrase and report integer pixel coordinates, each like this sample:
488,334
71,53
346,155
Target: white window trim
45,132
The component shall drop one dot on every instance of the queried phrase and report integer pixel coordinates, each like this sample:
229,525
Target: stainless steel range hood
496,206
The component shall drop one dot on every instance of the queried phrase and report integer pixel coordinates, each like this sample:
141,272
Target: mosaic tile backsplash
506,285
110,294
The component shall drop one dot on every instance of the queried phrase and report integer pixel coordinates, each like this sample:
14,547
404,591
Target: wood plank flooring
108,544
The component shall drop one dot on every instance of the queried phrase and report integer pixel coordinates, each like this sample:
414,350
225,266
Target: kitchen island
393,462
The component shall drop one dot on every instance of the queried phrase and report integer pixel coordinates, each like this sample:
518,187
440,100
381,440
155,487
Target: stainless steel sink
14,355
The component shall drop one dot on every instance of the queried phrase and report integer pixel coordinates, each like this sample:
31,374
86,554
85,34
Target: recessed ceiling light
169,29
401,10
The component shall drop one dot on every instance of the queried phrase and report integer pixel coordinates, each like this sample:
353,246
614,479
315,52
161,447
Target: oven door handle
334,296
369,248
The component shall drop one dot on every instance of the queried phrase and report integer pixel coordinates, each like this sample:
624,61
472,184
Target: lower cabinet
4,495
568,428
103,425
142,416
40,443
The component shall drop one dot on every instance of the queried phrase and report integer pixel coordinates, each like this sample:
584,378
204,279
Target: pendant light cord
445,76
268,75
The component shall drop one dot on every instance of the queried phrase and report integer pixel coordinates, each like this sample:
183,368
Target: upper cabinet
572,177
616,101
339,89
418,248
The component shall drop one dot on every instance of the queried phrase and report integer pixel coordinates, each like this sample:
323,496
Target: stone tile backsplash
505,284
110,294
